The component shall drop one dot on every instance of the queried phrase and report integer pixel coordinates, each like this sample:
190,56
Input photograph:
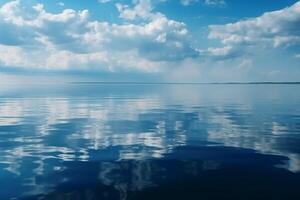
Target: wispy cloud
188,2
215,2
205,2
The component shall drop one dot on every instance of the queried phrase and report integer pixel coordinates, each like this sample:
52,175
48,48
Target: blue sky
158,40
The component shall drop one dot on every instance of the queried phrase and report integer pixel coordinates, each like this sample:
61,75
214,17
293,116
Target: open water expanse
150,141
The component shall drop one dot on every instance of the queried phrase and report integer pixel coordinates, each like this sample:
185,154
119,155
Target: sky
144,40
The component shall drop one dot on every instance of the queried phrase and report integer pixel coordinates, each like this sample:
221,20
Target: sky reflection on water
120,142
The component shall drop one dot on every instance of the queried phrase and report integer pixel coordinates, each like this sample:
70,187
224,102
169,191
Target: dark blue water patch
25,128
195,173
289,144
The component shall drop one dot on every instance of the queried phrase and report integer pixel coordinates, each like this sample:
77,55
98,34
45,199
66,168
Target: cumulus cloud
31,34
222,53
143,40
142,9
273,29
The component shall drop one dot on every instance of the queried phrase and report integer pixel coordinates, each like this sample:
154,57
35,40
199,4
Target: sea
140,141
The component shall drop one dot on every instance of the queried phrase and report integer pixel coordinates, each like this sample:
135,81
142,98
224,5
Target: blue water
114,141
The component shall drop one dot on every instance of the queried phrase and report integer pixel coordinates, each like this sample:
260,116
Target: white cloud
61,4
104,1
145,41
142,9
275,29
215,2
188,2
206,2
30,37
15,56
220,52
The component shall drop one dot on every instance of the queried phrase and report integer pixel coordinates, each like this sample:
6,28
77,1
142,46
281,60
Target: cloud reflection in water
125,140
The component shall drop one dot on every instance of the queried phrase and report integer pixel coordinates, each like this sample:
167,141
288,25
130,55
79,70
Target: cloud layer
33,37
144,40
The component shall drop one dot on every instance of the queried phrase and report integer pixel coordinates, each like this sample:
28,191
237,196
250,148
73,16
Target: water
94,141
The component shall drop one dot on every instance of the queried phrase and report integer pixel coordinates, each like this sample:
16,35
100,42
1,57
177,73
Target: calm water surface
130,141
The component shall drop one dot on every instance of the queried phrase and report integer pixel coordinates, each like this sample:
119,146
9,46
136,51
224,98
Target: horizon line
186,83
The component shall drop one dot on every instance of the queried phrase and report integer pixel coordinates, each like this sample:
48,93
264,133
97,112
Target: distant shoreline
186,83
